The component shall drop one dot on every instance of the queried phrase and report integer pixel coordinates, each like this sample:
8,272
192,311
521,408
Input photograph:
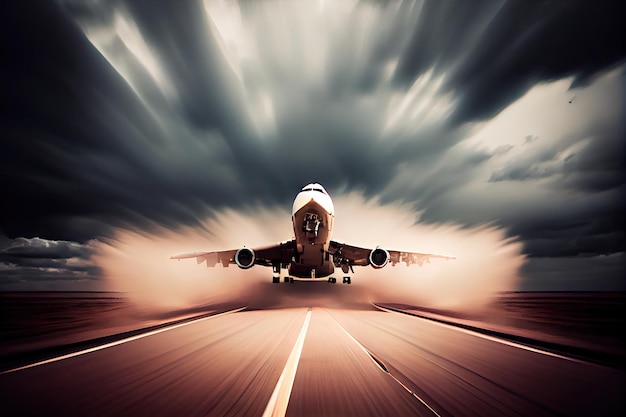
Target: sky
150,118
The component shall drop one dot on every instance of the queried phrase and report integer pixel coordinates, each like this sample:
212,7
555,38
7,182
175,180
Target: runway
312,361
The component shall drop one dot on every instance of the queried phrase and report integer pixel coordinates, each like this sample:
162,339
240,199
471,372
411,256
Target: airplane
311,255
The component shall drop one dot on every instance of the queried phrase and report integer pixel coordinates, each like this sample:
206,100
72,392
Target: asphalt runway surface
310,361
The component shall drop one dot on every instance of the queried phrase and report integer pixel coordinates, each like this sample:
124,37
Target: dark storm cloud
565,236
96,136
41,248
495,51
592,227
600,165
45,260
48,268
573,274
596,166
82,152
14,276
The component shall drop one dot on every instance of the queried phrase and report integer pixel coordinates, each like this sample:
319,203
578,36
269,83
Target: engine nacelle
244,258
379,258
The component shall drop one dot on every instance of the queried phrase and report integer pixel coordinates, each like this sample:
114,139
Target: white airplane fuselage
312,215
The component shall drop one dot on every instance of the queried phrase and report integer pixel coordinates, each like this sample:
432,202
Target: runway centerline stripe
118,342
277,405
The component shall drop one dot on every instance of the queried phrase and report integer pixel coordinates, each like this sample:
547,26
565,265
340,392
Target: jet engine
379,258
244,258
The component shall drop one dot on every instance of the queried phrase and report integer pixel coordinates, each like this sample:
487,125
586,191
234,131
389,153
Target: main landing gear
276,274
276,279
346,280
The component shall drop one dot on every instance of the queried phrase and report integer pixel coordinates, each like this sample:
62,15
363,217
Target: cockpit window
314,189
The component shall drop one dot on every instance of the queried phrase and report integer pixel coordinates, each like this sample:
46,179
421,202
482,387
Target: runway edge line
118,342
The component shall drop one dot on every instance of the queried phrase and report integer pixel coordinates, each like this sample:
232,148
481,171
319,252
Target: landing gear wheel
286,279
276,273
332,280
347,280
290,280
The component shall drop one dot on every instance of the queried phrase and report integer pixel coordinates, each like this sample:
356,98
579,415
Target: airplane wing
246,257
378,257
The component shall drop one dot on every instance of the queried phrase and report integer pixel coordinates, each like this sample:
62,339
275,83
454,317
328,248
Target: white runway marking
119,342
491,338
384,369
379,365
277,405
